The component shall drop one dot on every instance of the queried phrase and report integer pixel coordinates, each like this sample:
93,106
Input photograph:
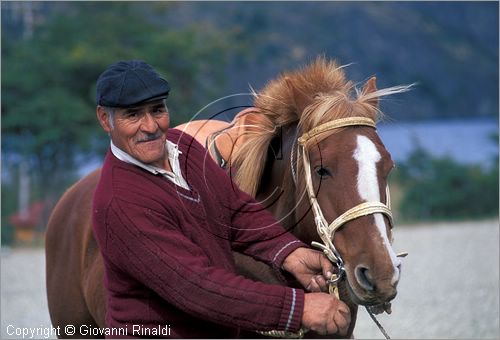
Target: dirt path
449,286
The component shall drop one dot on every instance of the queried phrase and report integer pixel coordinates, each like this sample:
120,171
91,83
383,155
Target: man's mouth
149,138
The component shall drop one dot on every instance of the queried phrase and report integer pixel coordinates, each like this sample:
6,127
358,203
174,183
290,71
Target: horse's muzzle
367,290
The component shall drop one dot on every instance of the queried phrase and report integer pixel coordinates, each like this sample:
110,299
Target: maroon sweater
167,251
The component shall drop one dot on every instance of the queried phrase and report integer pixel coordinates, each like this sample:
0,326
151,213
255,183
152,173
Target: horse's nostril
364,278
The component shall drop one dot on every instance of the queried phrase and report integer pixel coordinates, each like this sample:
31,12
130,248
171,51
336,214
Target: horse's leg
64,257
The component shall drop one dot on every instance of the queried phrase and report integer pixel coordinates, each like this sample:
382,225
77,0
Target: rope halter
327,231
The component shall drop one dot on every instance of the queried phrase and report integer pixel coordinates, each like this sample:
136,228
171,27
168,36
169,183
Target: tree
48,80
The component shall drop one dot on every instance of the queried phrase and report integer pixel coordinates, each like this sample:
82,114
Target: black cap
128,83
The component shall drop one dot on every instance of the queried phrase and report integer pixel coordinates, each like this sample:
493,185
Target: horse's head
339,172
345,173
348,168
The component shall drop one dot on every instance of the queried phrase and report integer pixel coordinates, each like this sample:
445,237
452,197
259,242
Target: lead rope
284,334
334,290
326,231
377,323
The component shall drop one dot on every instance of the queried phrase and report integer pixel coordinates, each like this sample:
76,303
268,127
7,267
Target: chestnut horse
336,171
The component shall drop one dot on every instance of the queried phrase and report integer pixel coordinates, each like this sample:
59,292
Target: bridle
327,231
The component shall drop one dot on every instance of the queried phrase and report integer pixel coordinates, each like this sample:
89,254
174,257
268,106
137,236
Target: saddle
223,143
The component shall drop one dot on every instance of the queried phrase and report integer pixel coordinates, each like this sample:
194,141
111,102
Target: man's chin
148,154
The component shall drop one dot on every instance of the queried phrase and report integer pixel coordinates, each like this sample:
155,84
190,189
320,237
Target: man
167,219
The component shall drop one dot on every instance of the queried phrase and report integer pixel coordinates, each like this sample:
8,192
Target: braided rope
335,124
326,231
363,209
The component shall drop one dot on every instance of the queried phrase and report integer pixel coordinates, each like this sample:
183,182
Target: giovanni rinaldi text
87,330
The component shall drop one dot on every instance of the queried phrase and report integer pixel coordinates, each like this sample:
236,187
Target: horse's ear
300,99
370,87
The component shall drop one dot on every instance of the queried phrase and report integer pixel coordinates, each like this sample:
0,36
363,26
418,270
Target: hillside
450,49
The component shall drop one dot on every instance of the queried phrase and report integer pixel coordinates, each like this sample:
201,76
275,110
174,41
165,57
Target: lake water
466,141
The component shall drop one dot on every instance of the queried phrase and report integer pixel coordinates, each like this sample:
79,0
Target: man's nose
148,123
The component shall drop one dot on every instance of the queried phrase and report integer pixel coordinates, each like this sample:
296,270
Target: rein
327,231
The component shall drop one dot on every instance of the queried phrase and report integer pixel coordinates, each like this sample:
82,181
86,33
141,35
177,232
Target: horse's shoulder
201,129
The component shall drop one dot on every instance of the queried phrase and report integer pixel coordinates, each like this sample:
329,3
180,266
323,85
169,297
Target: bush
439,188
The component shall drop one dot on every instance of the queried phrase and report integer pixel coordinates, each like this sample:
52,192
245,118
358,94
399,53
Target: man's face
141,131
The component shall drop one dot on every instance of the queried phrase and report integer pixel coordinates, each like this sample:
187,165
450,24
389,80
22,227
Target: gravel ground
449,286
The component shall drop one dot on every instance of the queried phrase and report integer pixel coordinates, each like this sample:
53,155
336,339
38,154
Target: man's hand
310,267
325,314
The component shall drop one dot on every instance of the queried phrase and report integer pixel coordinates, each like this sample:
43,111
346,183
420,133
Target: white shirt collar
173,156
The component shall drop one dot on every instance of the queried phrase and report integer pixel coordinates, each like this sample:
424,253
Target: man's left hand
310,267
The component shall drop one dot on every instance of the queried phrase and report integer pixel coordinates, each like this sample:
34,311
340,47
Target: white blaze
367,156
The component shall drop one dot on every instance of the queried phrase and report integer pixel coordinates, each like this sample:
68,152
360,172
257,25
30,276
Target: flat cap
127,83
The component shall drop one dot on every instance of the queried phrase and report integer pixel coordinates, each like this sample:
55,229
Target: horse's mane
312,95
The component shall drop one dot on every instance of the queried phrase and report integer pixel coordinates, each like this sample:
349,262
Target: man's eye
159,110
131,114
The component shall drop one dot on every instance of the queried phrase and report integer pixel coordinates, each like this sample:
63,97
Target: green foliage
439,188
48,79
9,200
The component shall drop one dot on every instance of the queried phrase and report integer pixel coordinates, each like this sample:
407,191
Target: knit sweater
168,251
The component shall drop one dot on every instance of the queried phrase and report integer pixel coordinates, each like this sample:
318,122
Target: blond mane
312,95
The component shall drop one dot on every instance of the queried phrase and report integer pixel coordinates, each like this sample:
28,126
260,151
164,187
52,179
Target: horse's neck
277,189
282,188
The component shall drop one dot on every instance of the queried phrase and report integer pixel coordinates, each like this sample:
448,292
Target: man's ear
103,118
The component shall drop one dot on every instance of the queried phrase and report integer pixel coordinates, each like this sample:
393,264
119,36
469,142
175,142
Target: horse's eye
322,172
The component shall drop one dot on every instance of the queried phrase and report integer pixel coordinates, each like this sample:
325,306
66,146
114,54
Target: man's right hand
325,314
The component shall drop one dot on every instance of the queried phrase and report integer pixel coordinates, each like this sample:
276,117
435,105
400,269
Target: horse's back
201,129
226,137
72,258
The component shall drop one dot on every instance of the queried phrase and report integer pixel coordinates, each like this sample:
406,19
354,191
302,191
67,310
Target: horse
336,171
